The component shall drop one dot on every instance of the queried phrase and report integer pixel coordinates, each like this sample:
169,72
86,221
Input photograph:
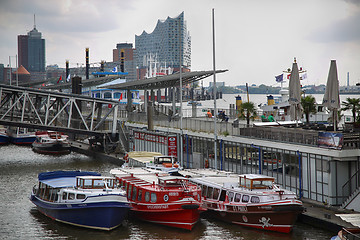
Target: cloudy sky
255,39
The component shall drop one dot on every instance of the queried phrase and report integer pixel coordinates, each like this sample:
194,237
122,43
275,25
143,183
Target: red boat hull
178,218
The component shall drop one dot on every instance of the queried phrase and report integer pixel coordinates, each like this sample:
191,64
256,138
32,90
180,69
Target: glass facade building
169,43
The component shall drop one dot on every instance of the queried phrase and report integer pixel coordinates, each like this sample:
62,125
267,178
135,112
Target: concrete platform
323,216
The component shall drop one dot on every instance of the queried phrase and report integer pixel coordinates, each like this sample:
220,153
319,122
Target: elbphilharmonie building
168,45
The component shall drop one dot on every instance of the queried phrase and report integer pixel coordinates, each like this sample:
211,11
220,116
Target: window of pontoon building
71,196
97,95
80,196
153,197
147,196
107,95
255,199
140,195
209,192
231,196
237,197
245,198
117,95
134,194
216,193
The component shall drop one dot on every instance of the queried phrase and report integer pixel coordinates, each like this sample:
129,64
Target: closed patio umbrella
295,94
331,98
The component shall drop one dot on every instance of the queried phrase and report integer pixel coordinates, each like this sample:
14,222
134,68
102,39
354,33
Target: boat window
87,183
147,196
80,196
64,196
216,193
245,198
71,196
209,192
110,183
262,184
129,192
80,183
237,197
140,195
231,196
99,183
153,197
255,199
56,196
134,194
222,195
203,190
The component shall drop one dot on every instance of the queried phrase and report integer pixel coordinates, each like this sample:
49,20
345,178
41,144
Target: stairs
353,201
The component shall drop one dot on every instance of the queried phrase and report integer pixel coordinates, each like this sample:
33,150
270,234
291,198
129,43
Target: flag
288,76
279,78
304,76
68,78
114,69
120,97
60,78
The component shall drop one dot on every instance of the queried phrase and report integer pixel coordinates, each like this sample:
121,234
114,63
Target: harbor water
19,218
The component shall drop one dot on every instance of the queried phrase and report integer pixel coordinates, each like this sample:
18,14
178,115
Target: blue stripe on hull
4,139
104,215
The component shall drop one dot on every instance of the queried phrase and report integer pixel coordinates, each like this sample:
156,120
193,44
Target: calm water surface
19,219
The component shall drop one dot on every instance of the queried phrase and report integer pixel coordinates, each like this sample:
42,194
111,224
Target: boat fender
190,206
166,198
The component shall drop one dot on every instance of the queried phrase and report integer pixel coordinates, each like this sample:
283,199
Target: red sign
172,146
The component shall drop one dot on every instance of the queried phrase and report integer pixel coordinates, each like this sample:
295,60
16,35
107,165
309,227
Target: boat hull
266,217
26,140
4,139
56,149
102,216
178,218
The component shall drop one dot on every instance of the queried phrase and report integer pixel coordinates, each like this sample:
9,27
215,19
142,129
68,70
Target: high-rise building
167,45
123,56
31,52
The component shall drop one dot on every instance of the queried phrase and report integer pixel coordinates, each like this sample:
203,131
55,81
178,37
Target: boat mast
214,91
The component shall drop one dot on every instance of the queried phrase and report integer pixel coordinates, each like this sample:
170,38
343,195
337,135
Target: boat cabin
91,182
167,161
172,181
256,181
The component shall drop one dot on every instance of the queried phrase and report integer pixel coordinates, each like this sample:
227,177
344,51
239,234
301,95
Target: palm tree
248,110
309,106
352,104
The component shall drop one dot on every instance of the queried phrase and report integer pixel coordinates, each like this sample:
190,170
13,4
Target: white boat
151,160
250,200
50,142
84,199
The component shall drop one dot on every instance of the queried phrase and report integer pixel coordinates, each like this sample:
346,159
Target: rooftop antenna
34,22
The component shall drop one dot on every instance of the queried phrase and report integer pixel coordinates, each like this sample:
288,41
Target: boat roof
134,171
204,172
256,176
169,178
65,174
60,182
220,181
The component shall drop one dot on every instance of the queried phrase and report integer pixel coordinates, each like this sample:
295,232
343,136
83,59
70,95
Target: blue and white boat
4,138
84,199
21,136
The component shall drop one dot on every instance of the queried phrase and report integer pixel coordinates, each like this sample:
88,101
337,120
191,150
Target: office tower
31,52
123,56
164,45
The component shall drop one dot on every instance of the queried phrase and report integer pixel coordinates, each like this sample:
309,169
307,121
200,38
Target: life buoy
166,198
206,163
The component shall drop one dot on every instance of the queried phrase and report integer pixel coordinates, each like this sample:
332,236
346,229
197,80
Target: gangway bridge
52,110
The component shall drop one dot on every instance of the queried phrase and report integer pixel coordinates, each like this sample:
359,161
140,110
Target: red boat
250,200
160,198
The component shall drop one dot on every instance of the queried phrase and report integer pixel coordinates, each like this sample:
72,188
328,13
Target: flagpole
214,91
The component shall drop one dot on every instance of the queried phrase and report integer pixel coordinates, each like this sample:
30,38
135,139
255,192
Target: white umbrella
331,98
295,93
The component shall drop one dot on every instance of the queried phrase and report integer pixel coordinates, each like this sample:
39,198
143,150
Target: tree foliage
309,105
